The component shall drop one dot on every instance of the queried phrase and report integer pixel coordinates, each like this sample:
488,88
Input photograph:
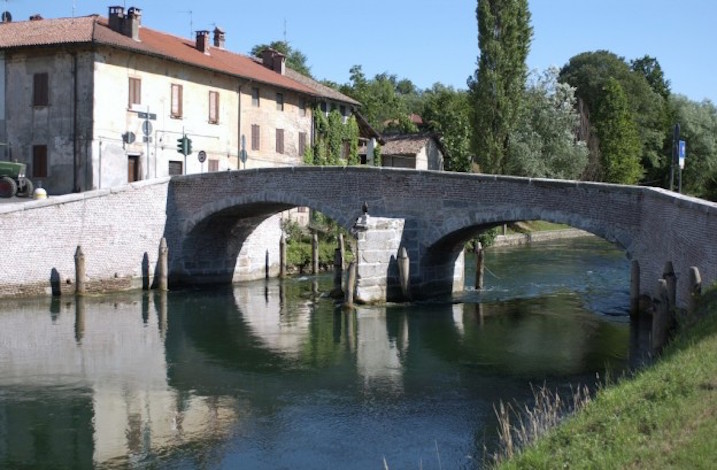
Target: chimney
132,22
274,60
218,37
127,25
203,41
116,19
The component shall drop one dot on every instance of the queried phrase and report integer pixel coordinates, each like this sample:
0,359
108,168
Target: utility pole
675,143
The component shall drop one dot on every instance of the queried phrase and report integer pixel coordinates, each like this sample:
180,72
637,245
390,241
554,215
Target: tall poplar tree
504,35
619,137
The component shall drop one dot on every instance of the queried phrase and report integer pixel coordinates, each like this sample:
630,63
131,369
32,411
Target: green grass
663,417
535,226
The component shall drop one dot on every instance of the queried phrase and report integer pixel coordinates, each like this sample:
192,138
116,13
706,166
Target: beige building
94,102
422,151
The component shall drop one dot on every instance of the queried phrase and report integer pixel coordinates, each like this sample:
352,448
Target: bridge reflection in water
270,374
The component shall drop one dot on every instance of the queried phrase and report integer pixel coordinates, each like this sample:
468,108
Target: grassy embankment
663,417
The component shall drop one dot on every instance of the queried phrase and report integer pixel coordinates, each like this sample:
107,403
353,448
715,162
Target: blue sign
682,153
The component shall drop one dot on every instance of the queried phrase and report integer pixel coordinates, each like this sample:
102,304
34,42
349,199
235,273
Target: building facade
94,102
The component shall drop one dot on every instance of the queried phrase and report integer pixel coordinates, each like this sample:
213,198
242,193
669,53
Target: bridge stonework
222,226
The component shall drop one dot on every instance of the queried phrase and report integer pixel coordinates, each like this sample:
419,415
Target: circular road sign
202,156
146,127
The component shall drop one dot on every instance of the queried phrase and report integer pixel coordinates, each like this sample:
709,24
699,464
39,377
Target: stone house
93,102
422,151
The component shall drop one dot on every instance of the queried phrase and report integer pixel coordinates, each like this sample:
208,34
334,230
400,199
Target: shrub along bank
663,417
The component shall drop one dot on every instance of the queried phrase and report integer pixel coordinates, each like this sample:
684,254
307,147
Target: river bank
519,239
666,415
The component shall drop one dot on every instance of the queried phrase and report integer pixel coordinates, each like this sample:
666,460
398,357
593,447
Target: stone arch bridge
223,226
431,214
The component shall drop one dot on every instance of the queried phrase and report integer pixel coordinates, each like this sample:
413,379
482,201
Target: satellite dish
6,17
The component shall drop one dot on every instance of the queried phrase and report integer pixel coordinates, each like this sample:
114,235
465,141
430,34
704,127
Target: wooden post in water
337,291
634,288
315,253
695,288
480,265
282,256
79,319
80,271
350,285
661,315
163,252
404,274
343,250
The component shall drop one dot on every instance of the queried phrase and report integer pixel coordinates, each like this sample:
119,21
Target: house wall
434,156
221,141
114,117
64,126
89,113
269,119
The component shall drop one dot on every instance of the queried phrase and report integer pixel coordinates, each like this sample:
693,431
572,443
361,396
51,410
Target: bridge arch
439,208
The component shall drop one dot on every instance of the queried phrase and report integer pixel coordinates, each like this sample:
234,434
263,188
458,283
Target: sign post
681,155
202,156
147,131
242,152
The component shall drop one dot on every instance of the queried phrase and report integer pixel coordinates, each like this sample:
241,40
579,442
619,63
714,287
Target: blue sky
429,41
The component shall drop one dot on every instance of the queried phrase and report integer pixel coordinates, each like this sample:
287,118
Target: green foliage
447,112
377,155
295,59
544,143
504,35
332,137
589,72
619,139
698,128
381,102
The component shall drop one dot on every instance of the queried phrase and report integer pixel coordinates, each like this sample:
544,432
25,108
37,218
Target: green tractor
13,181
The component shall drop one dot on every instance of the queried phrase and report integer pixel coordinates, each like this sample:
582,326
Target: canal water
271,375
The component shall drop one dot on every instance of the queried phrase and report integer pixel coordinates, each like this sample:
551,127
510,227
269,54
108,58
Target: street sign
243,156
202,156
150,116
146,127
682,153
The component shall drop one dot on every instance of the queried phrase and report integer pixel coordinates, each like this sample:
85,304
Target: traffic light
184,145
181,145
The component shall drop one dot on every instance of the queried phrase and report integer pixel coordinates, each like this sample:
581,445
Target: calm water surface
271,375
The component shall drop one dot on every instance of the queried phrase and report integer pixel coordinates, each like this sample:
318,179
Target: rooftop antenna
191,24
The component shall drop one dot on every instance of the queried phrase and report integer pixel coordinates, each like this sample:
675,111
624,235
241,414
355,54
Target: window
40,90
280,141
255,142
255,97
175,168
39,161
279,101
176,111
213,164
302,107
323,106
302,143
342,110
213,107
135,91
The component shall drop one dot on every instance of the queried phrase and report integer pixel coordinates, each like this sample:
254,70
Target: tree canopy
504,35
544,143
589,73
295,59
